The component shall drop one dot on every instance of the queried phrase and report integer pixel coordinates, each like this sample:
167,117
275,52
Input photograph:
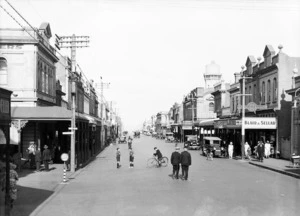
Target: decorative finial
242,67
258,59
280,47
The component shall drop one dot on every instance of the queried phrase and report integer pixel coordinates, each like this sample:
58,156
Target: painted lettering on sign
4,106
260,123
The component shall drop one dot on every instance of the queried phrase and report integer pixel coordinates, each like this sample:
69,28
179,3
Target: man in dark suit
186,161
260,151
175,161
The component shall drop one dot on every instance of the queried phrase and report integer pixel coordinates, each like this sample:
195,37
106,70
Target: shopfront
5,119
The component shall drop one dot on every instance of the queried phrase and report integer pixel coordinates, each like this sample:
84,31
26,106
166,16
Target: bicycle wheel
152,162
164,161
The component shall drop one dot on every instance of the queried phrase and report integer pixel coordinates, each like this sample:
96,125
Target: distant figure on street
247,150
129,142
186,161
175,161
230,150
267,149
131,158
38,159
46,157
260,151
31,151
118,157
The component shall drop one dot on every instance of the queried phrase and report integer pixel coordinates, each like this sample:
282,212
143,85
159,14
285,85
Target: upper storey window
3,72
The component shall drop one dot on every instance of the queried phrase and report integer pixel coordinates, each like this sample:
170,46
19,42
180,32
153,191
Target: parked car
214,142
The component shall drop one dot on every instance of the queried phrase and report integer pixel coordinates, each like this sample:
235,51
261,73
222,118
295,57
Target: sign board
70,128
260,123
67,133
64,157
186,127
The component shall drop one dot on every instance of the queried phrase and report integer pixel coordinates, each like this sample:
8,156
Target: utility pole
243,114
102,86
72,42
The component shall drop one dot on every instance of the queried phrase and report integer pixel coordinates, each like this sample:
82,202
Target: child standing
118,156
131,158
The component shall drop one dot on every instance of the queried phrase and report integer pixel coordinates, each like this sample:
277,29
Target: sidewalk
35,188
278,165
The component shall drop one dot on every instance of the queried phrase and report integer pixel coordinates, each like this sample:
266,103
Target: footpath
278,165
35,188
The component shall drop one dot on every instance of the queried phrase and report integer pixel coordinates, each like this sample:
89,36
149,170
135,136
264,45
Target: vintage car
213,142
169,137
192,142
122,139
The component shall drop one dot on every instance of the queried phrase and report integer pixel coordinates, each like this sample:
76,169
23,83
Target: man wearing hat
186,161
175,161
46,157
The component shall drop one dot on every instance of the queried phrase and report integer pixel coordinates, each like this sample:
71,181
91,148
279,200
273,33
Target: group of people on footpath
261,150
131,155
36,157
184,159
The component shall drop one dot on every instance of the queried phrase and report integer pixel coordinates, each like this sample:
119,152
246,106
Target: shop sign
260,123
186,127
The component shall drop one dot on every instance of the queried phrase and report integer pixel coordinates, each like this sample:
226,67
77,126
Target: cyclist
158,154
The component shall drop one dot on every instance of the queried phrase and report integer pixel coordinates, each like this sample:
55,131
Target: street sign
70,128
64,157
67,133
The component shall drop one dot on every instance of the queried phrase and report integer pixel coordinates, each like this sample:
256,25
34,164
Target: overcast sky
154,51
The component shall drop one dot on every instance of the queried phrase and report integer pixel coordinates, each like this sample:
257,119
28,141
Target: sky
153,52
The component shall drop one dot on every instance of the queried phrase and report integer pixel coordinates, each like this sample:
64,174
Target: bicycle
210,156
151,162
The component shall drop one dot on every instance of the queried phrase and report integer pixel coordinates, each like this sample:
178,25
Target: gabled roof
250,59
47,30
269,49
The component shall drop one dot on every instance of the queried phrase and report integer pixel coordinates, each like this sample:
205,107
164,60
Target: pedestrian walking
118,157
46,157
247,150
13,178
186,161
267,149
129,142
260,151
131,158
175,161
230,150
38,159
31,151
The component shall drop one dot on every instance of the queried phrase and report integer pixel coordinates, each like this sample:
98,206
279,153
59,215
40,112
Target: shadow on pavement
293,170
28,200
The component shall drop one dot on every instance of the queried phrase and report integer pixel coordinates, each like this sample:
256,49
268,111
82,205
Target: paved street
219,187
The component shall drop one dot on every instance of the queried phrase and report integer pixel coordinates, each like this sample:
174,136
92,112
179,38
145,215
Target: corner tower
212,75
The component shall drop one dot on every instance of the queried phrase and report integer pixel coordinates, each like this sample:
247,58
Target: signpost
64,157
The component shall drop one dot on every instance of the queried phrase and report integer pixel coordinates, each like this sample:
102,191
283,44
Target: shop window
269,91
263,96
274,89
3,72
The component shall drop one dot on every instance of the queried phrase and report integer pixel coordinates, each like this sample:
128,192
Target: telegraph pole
72,42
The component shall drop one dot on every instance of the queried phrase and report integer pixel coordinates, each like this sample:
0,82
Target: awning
91,119
209,122
41,113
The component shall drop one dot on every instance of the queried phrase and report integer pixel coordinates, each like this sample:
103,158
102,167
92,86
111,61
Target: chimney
237,77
